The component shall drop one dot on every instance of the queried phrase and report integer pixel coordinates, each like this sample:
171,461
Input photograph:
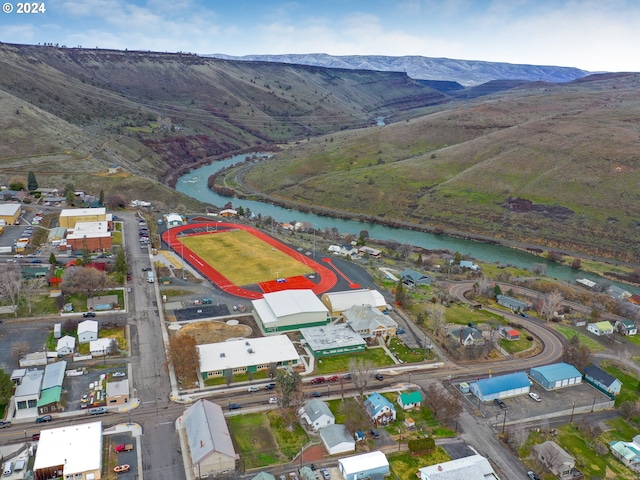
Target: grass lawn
584,339
116,237
40,305
404,353
405,465
340,363
515,346
630,383
247,259
462,314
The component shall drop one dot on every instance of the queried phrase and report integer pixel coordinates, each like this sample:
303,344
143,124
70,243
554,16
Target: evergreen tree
401,294
32,183
52,259
101,198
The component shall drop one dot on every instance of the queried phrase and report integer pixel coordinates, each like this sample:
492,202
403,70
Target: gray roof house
602,379
337,439
513,304
369,322
317,414
411,278
558,461
618,293
467,336
210,444
626,327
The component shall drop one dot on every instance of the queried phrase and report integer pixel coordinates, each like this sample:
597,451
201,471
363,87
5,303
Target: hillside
552,165
161,113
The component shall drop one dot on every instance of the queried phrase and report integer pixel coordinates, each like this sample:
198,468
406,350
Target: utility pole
504,421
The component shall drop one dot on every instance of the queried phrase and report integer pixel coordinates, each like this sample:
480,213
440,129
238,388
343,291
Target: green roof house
410,400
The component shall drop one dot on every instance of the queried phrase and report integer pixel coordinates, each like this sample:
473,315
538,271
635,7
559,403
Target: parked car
234,406
325,473
98,411
532,476
535,396
500,403
273,400
317,380
374,433
89,314
253,388
312,466
5,424
400,331
119,374
146,269
270,386
347,376
316,394
44,419
333,378
35,437
524,315
379,377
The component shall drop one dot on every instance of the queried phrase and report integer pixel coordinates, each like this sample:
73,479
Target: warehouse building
367,465
70,216
503,386
10,213
332,340
338,302
556,375
290,310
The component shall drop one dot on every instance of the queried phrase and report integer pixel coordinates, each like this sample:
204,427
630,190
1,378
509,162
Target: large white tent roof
77,447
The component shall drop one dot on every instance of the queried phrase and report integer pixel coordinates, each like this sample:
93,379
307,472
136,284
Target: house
585,282
371,252
510,333
380,410
246,356
626,327
118,392
601,379
627,452
369,322
51,390
558,461
556,375
474,467
467,336
410,400
113,169
332,339
337,439
317,414
80,459
209,440
368,465
502,386
338,302
635,299
102,347
600,328
468,264
263,476
290,310
66,346
228,212
513,304
618,293
412,278
27,394
87,331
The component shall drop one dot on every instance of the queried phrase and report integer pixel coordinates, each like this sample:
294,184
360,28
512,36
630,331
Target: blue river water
194,184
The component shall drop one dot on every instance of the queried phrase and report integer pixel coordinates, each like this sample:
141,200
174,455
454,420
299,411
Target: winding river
194,184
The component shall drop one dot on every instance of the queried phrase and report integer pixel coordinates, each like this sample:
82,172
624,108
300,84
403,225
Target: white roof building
239,355
76,450
290,310
475,467
338,302
9,209
66,345
362,466
87,331
101,346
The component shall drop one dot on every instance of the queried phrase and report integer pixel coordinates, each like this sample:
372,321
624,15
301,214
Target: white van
8,469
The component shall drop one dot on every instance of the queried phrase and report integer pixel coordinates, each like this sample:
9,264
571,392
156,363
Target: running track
327,279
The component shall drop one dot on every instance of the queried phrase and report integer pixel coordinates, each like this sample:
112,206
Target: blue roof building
503,386
380,410
556,375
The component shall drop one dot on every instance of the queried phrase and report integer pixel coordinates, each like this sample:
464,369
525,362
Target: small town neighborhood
287,362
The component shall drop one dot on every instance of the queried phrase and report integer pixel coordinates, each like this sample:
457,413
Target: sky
594,35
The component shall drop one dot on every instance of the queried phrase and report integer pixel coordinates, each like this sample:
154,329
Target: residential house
626,327
27,394
473,467
412,278
602,379
380,410
102,347
228,212
627,452
513,304
468,264
66,346
371,252
51,390
585,282
510,333
113,169
467,336
635,299
369,322
317,414
337,439
264,476
600,328
87,331
410,400
557,460
618,293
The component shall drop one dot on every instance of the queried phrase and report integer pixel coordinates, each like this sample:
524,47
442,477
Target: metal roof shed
503,386
363,466
556,375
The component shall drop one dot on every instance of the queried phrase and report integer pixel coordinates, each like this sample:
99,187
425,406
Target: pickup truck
124,447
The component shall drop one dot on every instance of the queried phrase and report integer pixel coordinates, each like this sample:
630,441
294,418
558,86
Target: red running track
327,279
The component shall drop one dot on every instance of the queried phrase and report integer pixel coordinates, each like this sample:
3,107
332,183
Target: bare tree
84,280
436,314
550,304
576,353
30,289
290,395
362,373
11,287
445,407
19,349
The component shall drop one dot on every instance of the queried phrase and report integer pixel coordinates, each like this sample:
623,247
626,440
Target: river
194,184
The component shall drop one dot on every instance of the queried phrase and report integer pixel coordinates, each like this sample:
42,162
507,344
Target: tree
30,289
419,260
576,353
457,258
69,194
290,396
445,407
539,268
497,290
16,183
184,356
19,349
550,304
354,416
401,295
576,264
115,200
84,280
362,373
11,287
101,197
32,183
120,265
86,254
52,259
436,314
6,387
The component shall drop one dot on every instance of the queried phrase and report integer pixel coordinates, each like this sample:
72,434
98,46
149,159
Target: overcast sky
595,35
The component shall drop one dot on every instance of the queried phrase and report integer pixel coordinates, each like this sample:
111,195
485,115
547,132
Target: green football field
242,258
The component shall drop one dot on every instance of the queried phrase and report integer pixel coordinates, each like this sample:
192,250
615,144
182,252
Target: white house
87,331
101,347
66,345
317,414
27,394
474,467
600,328
410,400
